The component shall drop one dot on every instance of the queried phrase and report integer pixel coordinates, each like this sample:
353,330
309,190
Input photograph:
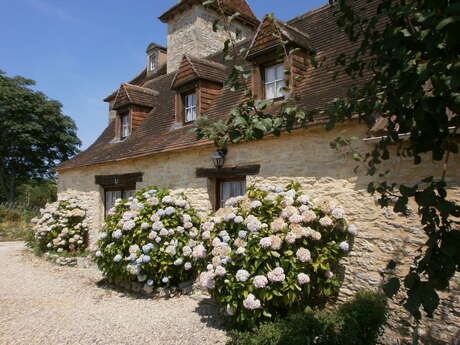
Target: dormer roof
134,95
230,6
268,37
193,68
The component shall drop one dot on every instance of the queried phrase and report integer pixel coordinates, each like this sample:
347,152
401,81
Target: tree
34,134
409,53
412,52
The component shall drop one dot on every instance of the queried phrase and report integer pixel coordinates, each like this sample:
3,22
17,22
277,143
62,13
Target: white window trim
192,108
279,81
153,62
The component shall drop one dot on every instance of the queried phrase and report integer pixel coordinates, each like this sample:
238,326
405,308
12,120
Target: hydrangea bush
273,251
151,238
62,227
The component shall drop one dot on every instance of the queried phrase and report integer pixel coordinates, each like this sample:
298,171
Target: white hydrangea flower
255,204
165,280
188,266
207,281
303,278
308,216
326,221
117,258
230,216
167,200
242,275
265,242
187,251
241,251
338,213
296,219
150,282
251,302
352,229
188,225
129,225
117,234
170,211
277,275
238,220
303,255
304,199
344,246
291,237
242,234
216,242
260,282
220,271
199,252
145,226
208,226
178,262
206,235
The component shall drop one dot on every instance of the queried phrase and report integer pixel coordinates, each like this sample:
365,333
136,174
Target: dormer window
274,81
190,102
125,126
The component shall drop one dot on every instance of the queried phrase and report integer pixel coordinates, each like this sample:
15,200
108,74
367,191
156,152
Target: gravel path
41,303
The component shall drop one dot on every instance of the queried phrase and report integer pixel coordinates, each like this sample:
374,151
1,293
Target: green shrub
273,252
150,238
62,227
358,322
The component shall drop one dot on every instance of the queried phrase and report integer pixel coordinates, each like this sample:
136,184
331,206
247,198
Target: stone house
147,141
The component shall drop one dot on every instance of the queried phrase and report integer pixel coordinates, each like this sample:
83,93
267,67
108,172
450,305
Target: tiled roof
204,69
156,134
133,94
270,33
231,6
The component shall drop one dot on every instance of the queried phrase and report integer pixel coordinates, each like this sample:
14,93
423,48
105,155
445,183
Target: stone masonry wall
190,32
305,156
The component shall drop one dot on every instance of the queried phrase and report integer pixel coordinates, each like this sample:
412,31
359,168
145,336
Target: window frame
153,61
122,116
276,81
219,183
185,108
117,188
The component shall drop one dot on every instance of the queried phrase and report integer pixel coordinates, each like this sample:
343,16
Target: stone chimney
190,29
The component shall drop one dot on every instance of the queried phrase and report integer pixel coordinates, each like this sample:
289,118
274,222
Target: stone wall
305,156
190,32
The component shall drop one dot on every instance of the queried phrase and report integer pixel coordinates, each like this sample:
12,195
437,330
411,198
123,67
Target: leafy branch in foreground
410,51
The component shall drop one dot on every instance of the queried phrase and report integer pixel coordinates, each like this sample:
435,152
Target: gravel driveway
41,303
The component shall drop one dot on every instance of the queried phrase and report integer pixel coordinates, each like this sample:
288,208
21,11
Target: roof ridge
309,13
208,62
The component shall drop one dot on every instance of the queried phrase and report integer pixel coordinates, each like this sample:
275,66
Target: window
112,194
274,81
125,126
229,188
190,107
153,61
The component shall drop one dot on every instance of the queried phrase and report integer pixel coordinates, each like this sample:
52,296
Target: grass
15,224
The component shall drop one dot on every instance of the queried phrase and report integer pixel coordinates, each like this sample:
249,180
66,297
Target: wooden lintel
246,170
113,180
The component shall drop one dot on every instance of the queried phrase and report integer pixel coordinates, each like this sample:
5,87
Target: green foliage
358,322
273,252
15,222
61,228
37,193
150,238
34,134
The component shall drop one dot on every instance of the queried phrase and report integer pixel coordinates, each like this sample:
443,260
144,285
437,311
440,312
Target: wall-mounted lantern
218,158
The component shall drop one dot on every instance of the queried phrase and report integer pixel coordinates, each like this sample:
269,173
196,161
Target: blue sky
80,51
